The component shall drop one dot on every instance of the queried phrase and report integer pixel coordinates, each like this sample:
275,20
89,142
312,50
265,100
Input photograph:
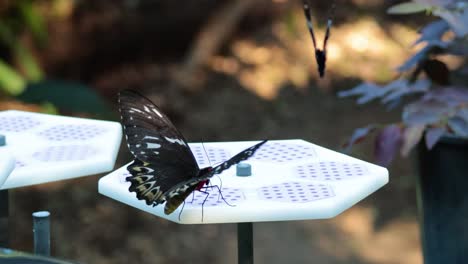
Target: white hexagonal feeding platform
50,148
291,180
7,164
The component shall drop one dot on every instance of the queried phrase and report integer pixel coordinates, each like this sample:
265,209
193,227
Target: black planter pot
443,201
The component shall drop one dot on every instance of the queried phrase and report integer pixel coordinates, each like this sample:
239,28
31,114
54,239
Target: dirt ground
90,228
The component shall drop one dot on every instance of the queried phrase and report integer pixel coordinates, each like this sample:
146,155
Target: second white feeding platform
290,180
50,147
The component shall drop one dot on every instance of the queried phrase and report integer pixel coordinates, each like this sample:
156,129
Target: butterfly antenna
206,153
308,16
331,15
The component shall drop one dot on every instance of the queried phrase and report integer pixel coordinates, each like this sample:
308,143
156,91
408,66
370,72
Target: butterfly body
321,58
164,169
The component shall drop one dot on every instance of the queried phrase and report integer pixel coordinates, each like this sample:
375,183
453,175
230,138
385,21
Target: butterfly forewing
152,138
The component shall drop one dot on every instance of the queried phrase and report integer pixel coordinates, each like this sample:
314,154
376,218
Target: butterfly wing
151,183
151,136
179,193
241,156
163,157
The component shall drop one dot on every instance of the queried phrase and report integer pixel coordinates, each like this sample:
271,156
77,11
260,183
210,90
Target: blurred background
222,70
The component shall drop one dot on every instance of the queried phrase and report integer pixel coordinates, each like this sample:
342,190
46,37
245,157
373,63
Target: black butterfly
320,54
164,169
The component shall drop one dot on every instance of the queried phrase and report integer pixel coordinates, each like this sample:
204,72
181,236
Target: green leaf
11,81
67,96
407,8
33,20
28,63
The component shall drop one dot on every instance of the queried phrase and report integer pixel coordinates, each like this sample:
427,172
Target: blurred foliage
17,18
441,104
23,32
70,96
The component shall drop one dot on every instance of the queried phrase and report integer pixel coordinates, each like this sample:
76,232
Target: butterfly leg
181,209
220,194
193,197
206,198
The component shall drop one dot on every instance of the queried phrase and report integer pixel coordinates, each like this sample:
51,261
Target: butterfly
164,168
320,54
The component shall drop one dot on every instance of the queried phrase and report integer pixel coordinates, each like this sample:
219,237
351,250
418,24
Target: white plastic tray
291,180
50,148
7,164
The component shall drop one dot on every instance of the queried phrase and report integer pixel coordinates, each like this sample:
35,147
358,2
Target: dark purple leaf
367,92
411,136
358,135
433,135
456,17
424,112
387,143
452,96
458,47
437,71
418,86
436,3
459,126
463,113
422,55
433,31
415,59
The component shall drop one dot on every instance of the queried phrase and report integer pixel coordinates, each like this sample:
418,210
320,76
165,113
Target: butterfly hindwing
150,183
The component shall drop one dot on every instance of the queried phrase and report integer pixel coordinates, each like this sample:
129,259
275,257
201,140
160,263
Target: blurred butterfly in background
164,168
320,54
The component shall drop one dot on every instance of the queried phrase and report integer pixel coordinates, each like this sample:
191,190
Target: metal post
244,230
4,208
4,211
245,243
41,230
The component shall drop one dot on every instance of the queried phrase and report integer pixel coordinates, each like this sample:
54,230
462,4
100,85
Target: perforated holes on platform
215,155
123,176
72,132
19,164
231,195
65,153
283,152
295,192
330,171
17,123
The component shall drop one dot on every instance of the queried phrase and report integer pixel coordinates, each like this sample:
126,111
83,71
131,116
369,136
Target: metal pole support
4,211
244,230
41,230
245,253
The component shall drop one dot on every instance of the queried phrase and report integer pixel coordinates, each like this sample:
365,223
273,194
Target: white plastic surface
291,180
50,148
7,164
